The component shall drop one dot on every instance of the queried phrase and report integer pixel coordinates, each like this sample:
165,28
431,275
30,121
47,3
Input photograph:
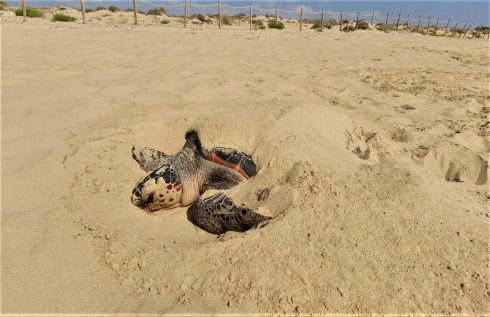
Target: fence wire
163,5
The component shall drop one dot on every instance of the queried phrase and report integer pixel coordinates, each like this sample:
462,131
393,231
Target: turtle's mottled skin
179,181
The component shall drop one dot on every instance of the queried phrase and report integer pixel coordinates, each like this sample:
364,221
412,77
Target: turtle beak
145,204
137,200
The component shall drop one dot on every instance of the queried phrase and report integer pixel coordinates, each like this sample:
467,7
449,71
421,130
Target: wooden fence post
277,15
219,14
185,13
455,26
340,20
372,19
398,22
467,29
82,8
135,13
463,28
447,26
24,11
301,19
418,24
428,25
408,23
437,24
250,14
357,20
386,22
321,22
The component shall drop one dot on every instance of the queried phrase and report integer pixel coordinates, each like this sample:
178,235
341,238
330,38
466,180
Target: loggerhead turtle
179,181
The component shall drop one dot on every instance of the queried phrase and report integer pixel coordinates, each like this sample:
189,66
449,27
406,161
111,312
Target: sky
476,12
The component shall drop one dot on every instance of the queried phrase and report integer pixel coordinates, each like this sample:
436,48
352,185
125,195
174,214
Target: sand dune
372,154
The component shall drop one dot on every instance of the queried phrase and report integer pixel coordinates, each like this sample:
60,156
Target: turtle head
160,189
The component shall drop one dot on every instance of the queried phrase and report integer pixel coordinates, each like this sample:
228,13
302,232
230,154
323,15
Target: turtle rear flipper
218,214
234,159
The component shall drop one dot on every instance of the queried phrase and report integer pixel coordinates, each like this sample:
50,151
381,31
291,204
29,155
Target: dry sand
404,230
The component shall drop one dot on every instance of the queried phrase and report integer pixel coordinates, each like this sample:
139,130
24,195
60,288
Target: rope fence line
164,5
230,7
373,16
204,5
288,11
263,10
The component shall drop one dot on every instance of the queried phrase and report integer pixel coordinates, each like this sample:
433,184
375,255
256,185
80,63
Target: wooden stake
340,20
456,25
250,15
24,10
82,8
428,25
437,24
372,19
386,22
277,15
219,14
321,22
398,22
463,28
467,29
185,13
301,20
418,24
447,26
408,22
357,20
135,13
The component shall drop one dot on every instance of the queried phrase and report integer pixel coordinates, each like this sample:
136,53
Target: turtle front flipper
148,158
218,214
234,159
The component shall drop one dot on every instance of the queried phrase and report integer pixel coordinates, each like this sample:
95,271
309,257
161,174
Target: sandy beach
402,228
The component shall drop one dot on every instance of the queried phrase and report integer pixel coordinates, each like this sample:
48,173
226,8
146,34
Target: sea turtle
180,179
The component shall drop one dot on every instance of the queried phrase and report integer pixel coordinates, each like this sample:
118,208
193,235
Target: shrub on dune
275,25
317,25
348,28
363,25
30,12
60,17
156,11
226,20
200,17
